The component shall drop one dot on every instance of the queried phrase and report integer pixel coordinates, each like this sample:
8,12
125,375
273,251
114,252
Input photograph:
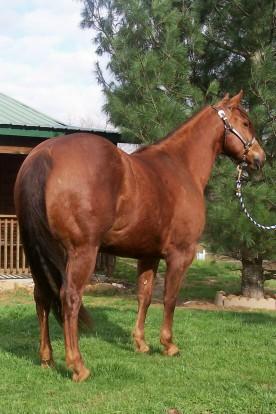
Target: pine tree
147,45
240,53
165,59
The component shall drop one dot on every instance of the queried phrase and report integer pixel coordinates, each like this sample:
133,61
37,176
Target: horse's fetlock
138,334
166,337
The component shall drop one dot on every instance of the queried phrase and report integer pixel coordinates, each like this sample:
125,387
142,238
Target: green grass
204,278
227,364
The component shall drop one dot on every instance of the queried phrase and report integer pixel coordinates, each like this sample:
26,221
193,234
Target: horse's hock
233,301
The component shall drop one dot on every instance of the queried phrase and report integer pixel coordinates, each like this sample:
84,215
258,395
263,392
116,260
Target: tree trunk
252,277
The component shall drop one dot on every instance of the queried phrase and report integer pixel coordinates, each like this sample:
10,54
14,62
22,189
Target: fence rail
12,257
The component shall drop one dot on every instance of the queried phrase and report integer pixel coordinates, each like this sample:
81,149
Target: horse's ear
224,100
235,101
226,97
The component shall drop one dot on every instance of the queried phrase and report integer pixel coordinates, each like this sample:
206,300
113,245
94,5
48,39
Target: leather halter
229,128
247,145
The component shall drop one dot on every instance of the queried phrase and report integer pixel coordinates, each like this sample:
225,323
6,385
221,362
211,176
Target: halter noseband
229,128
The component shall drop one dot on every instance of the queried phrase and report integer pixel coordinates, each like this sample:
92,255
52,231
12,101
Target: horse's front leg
147,269
177,263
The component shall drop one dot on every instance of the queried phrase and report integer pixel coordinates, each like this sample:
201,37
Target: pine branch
101,78
266,105
148,89
238,6
224,46
273,22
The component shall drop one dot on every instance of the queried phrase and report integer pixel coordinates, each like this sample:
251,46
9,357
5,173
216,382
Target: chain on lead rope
241,168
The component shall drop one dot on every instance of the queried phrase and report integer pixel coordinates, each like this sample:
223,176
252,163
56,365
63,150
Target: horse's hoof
141,346
81,376
47,363
172,351
143,349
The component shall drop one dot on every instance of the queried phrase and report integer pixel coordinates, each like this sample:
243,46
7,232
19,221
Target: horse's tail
46,256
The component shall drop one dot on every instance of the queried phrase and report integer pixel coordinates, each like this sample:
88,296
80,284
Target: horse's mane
161,140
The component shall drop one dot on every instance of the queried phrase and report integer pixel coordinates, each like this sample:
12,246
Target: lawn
204,278
227,364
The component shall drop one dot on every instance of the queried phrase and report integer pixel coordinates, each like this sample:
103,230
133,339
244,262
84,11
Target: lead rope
239,195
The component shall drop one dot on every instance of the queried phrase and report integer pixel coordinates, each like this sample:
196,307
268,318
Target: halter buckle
221,113
242,173
239,169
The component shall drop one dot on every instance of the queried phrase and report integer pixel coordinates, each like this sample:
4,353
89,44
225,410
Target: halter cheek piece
229,128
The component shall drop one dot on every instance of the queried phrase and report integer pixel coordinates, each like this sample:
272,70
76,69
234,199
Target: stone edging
233,301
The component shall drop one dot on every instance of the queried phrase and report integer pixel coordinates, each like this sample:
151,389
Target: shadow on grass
111,331
255,317
19,333
245,316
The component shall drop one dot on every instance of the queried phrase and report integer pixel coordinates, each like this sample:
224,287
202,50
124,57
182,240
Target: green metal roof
15,113
18,119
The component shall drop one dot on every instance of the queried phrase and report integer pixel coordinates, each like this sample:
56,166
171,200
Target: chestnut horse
78,194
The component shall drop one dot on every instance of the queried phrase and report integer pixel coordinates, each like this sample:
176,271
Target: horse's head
240,142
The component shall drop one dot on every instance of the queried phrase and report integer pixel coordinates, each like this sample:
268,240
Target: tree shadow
245,316
107,329
255,317
19,334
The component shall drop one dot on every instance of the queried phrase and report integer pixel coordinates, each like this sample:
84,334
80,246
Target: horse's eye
246,124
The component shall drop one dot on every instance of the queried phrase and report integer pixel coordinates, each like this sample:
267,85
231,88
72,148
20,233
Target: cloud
48,62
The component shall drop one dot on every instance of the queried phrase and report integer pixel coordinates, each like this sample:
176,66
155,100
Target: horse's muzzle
256,161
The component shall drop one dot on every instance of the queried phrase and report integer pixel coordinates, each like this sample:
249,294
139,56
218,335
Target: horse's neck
196,144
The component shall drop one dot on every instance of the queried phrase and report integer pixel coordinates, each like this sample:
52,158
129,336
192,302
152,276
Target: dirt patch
7,285
18,296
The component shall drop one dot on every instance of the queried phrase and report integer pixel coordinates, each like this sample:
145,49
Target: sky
48,62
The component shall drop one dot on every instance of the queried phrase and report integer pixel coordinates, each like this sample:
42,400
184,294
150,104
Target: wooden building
21,129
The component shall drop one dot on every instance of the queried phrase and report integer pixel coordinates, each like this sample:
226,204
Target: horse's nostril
258,163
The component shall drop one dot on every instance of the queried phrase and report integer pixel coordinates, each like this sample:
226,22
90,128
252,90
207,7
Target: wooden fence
12,257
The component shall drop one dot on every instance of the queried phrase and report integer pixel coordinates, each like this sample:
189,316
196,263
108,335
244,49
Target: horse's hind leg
147,269
43,305
177,263
80,265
